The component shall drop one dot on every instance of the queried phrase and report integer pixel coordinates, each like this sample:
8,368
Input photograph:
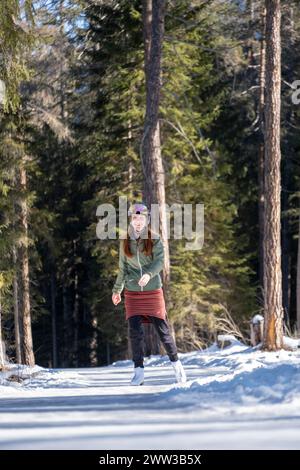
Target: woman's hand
144,280
116,298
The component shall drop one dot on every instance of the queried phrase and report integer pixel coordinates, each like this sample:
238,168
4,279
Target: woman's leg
136,335
163,329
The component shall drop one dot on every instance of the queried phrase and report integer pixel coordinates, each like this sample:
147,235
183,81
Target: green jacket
132,269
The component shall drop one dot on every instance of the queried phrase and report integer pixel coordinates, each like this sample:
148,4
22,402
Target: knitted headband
138,208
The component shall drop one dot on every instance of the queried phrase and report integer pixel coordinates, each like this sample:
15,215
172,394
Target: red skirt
145,303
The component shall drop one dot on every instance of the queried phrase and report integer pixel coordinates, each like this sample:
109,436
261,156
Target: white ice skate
179,371
138,378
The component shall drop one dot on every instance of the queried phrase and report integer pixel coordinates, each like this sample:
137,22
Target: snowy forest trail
235,398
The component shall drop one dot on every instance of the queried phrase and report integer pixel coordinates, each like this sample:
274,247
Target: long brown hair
148,244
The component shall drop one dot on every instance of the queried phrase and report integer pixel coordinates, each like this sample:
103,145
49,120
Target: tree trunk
273,333
53,320
286,180
66,327
16,309
153,170
2,358
76,306
27,348
76,323
93,346
262,79
286,249
298,281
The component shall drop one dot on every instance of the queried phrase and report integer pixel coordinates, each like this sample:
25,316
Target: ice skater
141,258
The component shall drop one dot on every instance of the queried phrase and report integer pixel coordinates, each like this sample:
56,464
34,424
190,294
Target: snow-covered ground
235,398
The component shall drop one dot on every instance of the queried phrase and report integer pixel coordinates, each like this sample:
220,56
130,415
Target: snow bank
236,397
243,376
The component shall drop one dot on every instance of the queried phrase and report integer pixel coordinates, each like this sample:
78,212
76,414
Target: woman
141,259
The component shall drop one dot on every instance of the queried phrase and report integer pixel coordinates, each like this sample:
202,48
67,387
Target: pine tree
191,100
273,332
15,38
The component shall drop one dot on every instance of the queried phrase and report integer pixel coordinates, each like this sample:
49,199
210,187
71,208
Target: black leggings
136,334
